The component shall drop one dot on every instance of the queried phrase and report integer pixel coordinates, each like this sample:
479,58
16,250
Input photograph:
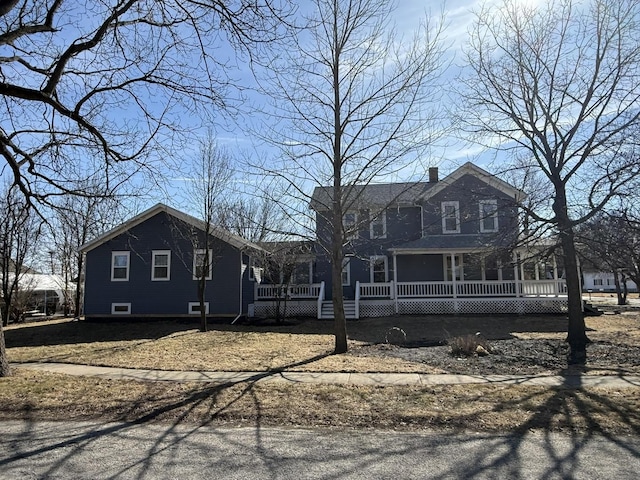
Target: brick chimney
433,174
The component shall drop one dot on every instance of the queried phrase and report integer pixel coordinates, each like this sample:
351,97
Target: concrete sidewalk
379,379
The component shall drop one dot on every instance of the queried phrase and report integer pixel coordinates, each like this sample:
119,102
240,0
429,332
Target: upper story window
450,217
350,225
201,261
488,216
160,265
119,266
378,226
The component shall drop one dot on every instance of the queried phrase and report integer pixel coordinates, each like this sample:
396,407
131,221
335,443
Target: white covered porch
416,298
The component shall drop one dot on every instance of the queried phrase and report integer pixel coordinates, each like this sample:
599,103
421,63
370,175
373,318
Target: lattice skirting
377,308
294,308
436,306
522,306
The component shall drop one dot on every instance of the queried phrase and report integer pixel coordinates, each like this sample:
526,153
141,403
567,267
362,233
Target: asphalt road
69,450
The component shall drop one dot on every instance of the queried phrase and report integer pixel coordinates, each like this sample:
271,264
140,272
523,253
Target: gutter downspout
241,275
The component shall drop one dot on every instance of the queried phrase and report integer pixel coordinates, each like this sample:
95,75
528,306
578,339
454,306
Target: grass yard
307,345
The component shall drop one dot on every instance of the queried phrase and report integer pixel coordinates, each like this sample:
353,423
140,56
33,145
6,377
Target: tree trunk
79,286
576,332
622,298
202,283
340,321
5,371
337,256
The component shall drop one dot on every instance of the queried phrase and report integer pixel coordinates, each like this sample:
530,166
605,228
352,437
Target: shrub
469,345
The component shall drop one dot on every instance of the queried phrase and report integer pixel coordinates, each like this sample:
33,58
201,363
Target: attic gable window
378,226
488,216
450,217
119,266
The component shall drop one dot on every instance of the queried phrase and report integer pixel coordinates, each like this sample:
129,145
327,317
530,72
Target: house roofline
471,169
217,232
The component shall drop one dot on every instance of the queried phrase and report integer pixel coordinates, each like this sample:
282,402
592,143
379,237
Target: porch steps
349,309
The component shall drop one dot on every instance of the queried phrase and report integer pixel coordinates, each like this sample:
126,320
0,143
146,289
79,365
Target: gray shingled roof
372,195
454,242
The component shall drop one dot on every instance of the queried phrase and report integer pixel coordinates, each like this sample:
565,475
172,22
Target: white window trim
494,216
197,304
380,218
443,206
155,253
350,235
114,307
346,267
113,266
199,251
372,261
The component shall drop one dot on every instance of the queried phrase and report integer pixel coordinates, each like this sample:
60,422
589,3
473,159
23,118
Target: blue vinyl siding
420,268
468,191
147,297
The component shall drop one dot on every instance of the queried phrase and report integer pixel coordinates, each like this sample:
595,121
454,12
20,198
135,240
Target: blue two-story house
149,267
438,247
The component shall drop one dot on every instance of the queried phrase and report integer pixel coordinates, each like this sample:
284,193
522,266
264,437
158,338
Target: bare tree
354,103
206,189
18,235
257,219
77,220
125,85
603,243
557,83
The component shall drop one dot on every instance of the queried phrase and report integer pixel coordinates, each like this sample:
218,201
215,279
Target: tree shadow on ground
584,415
425,330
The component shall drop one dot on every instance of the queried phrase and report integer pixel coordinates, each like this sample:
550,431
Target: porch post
522,279
516,277
395,283
454,284
556,290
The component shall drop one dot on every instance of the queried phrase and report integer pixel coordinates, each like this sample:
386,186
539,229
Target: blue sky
237,140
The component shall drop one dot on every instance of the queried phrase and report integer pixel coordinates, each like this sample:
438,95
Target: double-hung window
202,264
161,265
450,217
378,225
119,266
350,225
488,216
378,270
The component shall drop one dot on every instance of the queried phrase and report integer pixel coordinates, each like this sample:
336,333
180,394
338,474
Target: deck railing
474,288
267,291
376,290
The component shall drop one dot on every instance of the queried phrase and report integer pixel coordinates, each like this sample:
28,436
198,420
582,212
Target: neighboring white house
44,289
603,282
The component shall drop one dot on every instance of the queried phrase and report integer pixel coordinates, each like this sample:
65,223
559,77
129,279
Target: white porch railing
539,288
389,290
268,292
376,290
424,289
498,288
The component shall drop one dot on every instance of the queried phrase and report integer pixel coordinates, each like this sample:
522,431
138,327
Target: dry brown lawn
304,345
